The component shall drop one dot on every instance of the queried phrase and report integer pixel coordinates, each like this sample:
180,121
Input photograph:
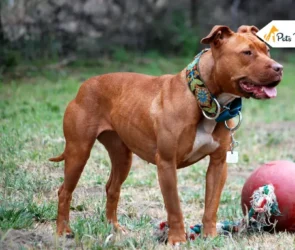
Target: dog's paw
176,240
70,235
119,228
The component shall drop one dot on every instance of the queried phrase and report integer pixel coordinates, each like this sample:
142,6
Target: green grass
31,112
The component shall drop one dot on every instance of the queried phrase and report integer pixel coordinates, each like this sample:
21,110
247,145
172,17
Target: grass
31,111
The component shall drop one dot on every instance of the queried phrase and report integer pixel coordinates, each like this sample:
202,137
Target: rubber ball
281,174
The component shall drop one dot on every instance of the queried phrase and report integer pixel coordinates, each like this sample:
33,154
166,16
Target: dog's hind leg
121,159
80,129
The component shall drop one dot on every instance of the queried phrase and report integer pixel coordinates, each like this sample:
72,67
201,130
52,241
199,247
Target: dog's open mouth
259,91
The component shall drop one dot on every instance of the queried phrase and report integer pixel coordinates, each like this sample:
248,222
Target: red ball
281,174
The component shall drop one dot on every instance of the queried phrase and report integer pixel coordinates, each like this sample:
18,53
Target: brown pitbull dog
159,119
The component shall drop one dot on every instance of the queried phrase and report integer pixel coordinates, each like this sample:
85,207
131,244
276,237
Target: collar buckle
231,110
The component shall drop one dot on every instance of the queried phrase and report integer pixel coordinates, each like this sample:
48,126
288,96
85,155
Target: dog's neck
206,66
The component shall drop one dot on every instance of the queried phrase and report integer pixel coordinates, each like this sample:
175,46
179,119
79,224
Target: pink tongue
270,92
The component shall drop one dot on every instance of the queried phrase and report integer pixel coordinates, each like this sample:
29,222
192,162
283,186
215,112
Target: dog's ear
217,35
248,29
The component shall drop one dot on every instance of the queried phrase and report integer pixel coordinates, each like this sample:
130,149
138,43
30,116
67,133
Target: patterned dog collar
199,89
206,101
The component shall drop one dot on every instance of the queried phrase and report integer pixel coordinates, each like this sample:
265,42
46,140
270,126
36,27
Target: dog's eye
247,52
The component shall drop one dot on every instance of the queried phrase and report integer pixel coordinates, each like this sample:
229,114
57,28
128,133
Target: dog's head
244,61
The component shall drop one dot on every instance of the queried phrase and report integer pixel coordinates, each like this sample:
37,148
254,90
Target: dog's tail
58,158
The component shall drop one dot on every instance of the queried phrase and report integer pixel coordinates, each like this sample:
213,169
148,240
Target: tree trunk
235,13
193,13
1,28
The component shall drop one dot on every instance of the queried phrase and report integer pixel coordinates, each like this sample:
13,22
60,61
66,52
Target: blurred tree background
57,29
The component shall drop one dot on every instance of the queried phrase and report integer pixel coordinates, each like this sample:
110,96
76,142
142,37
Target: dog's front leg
215,179
168,182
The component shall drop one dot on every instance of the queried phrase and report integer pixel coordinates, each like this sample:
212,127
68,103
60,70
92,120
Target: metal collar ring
237,126
217,112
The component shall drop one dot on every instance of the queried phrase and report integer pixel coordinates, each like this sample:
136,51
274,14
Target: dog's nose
277,67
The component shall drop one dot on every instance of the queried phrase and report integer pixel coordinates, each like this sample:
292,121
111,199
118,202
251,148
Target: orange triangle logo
271,34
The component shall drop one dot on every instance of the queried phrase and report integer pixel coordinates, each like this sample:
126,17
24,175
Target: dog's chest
204,143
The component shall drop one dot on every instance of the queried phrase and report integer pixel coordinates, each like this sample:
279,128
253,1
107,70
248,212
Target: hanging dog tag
232,157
